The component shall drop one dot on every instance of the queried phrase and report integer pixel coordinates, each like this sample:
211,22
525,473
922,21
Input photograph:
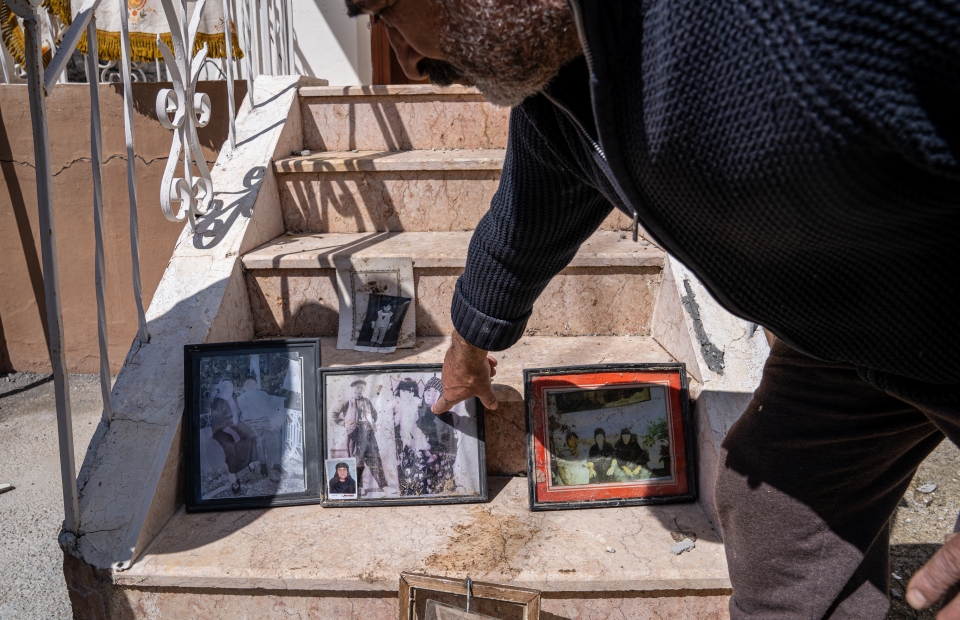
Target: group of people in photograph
411,452
578,462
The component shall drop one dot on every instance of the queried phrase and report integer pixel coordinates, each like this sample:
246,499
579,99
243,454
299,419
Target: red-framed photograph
608,435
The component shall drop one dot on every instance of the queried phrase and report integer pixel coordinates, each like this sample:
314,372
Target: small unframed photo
343,483
379,420
608,435
251,424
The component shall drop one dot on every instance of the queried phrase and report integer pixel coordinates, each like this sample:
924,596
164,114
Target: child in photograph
265,415
359,419
235,437
601,457
382,324
413,447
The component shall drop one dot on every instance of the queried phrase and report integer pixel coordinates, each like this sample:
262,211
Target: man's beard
508,50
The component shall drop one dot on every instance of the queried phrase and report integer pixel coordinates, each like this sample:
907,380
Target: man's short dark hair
343,465
625,431
599,431
407,385
358,382
572,434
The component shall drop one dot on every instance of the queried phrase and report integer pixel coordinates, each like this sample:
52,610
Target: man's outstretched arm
543,210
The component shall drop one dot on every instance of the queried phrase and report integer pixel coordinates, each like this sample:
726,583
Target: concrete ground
31,578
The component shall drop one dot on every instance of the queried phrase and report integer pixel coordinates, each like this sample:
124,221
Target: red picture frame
567,471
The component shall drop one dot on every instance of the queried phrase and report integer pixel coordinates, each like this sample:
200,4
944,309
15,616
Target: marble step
345,563
291,282
424,190
366,191
384,118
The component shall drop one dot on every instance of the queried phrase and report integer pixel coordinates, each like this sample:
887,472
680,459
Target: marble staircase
408,172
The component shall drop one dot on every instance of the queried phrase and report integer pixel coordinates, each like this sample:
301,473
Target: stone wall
22,315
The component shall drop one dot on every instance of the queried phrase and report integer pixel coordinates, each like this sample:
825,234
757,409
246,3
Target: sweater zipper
604,165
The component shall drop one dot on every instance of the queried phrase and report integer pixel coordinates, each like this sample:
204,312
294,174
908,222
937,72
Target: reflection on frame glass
380,418
608,436
251,420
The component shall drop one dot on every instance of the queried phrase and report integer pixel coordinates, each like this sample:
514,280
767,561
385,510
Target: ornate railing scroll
183,110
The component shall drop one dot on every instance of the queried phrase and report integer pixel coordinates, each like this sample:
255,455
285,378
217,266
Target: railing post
132,169
48,246
96,161
228,40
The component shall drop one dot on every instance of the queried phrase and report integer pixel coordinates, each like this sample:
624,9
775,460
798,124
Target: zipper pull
636,226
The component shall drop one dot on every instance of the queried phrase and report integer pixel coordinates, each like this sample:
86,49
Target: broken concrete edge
130,478
721,352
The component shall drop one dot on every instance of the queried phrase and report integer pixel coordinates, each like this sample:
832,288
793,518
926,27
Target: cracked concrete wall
723,353
131,474
22,316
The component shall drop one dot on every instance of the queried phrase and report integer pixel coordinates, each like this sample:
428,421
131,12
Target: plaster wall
22,315
331,45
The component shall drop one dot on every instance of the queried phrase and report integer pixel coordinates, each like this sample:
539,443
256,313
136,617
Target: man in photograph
629,456
601,457
342,483
358,413
802,160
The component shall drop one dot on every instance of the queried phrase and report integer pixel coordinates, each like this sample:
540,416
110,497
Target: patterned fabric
801,157
146,20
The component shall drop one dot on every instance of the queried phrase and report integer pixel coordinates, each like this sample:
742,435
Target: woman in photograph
239,443
413,448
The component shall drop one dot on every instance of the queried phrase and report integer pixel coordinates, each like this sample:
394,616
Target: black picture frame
198,413
403,500
680,407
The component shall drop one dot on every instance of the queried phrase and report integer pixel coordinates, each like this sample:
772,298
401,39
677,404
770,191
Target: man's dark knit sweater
800,157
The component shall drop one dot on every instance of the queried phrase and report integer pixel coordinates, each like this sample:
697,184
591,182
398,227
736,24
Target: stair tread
366,549
371,161
529,352
391,90
431,250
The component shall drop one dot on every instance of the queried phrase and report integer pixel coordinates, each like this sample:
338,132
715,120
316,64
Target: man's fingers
443,405
488,399
936,576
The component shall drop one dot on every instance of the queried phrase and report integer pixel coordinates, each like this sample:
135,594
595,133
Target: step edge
366,161
664,587
263,258
422,90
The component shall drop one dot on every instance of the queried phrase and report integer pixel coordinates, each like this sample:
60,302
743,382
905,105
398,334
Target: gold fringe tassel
143,46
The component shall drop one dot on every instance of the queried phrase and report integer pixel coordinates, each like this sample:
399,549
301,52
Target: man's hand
938,577
467,372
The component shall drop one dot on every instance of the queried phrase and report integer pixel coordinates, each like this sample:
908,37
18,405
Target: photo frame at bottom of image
608,435
377,422
250,424
423,597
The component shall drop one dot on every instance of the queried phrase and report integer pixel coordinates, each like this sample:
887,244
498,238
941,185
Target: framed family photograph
251,424
608,435
380,437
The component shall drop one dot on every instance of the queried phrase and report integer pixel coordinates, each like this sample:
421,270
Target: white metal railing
266,34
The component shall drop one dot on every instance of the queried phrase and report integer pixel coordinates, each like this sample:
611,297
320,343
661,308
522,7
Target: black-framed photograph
251,424
608,435
379,419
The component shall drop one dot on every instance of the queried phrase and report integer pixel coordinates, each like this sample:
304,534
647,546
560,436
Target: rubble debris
684,545
930,487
